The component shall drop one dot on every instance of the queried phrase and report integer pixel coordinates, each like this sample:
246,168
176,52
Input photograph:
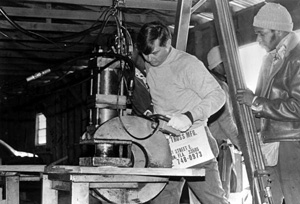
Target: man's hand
245,96
180,122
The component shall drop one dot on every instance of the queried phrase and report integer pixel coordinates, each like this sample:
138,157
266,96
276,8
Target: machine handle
163,120
160,116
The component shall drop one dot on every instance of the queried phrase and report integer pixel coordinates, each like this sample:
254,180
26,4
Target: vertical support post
79,193
12,189
250,144
49,7
182,22
49,195
1,191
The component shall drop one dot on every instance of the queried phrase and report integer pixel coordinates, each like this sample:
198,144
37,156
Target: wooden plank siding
66,122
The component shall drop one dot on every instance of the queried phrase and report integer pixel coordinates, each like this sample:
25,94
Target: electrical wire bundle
121,50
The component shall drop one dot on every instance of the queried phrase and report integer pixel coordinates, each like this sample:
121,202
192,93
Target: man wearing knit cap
222,124
276,102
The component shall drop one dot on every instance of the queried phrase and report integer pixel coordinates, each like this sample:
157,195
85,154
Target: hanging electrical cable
56,40
123,48
29,33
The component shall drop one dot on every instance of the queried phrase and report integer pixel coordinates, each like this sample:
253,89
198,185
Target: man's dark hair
149,33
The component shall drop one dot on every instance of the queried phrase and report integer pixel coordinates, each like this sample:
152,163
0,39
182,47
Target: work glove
180,122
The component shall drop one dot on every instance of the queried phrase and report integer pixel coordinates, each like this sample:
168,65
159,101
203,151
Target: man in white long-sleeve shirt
182,88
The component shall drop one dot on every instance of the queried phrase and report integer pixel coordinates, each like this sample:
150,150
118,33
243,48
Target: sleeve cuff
190,116
255,106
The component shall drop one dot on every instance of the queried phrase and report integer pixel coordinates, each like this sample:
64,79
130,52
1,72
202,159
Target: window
40,129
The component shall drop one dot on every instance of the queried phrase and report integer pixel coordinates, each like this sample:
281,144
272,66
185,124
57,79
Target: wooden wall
66,113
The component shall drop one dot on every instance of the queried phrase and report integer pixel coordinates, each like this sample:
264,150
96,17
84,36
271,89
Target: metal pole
257,175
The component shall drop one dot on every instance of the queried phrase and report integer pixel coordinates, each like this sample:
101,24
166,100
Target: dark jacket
278,103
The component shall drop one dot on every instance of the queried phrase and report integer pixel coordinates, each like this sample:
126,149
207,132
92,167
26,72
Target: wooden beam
52,13
12,189
73,14
37,55
49,195
182,23
114,185
43,46
139,4
80,193
8,63
12,35
21,72
57,27
105,170
122,178
197,5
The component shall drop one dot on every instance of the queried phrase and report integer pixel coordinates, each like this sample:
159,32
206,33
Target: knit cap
214,57
273,16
